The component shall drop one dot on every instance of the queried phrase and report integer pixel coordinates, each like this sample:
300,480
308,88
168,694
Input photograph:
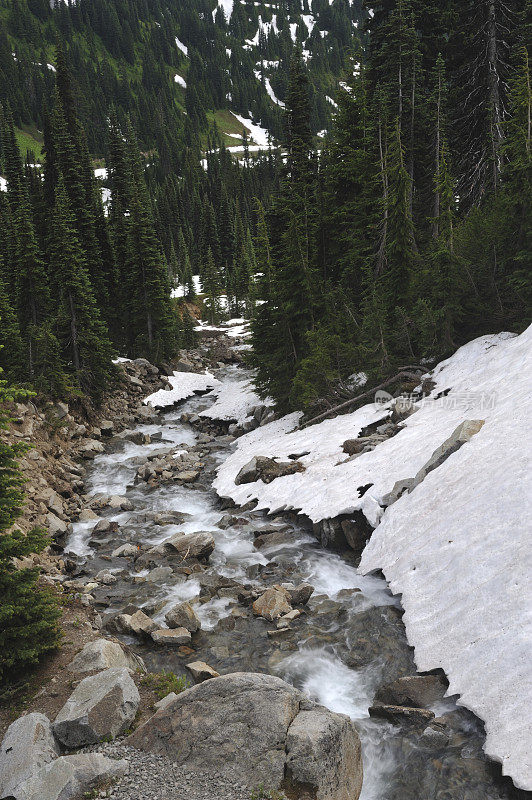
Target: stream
349,641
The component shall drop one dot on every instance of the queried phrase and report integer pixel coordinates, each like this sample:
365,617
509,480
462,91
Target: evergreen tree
28,614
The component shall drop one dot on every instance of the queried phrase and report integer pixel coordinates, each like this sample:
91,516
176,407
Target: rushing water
339,656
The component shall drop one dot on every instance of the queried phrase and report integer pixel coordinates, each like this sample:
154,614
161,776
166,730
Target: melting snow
236,400
456,546
258,134
182,47
180,81
184,384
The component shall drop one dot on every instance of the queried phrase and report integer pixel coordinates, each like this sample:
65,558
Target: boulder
103,654
271,605
101,706
125,551
318,756
174,637
277,539
301,594
323,753
201,671
266,469
164,701
56,527
191,545
91,448
72,777
27,746
139,623
183,616
416,691
107,427
402,715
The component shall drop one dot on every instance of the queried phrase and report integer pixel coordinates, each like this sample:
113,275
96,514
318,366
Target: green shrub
162,683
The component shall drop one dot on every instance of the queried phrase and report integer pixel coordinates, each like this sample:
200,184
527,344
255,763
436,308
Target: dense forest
394,239
410,232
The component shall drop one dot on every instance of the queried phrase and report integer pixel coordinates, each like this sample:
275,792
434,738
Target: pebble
153,777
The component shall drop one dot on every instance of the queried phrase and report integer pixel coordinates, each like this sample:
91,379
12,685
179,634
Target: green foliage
162,683
28,614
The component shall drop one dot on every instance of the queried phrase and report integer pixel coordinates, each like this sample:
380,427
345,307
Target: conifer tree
28,614
82,334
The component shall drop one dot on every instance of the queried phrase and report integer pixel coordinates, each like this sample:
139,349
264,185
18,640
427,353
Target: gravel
153,777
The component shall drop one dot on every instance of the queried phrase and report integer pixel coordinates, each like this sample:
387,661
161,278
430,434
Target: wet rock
159,574
417,691
107,427
56,527
125,551
227,708
402,715
103,654
353,446
27,746
191,545
271,605
301,594
106,577
323,755
102,705
277,539
188,476
87,514
173,637
74,776
201,671
183,616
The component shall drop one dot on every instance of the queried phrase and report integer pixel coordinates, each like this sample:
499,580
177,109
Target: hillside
176,67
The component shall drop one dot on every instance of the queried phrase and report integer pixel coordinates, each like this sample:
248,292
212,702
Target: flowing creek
349,641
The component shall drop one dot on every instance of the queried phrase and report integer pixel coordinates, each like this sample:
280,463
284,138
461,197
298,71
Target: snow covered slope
456,547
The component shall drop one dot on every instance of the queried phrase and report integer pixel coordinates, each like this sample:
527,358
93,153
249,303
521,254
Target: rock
107,427
87,514
103,654
173,637
56,527
183,616
191,545
60,410
159,574
139,623
402,715
323,755
102,526
102,705
164,701
117,501
277,539
245,730
353,446
357,532
105,577
27,746
271,605
125,551
72,776
291,616
201,671
188,476
301,594
91,448
462,434
402,408
416,691
267,469
53,502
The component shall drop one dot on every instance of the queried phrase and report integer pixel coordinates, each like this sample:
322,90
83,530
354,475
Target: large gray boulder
245,727
266,469
72,777
101,706
28,745
103,654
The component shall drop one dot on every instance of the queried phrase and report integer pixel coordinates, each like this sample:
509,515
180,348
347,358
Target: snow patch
184,384
182,47
258,134
235,402
180,81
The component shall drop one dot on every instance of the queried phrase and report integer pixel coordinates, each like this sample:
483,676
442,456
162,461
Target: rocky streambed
198,588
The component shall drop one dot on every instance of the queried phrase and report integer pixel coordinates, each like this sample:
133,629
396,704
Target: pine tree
82,334
28,614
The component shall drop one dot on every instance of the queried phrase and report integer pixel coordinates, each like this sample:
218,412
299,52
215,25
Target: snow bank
3,184
181,46
235,402
180,81
184,384
456,546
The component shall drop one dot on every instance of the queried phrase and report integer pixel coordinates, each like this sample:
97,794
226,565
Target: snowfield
457,547
184,384
235,402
